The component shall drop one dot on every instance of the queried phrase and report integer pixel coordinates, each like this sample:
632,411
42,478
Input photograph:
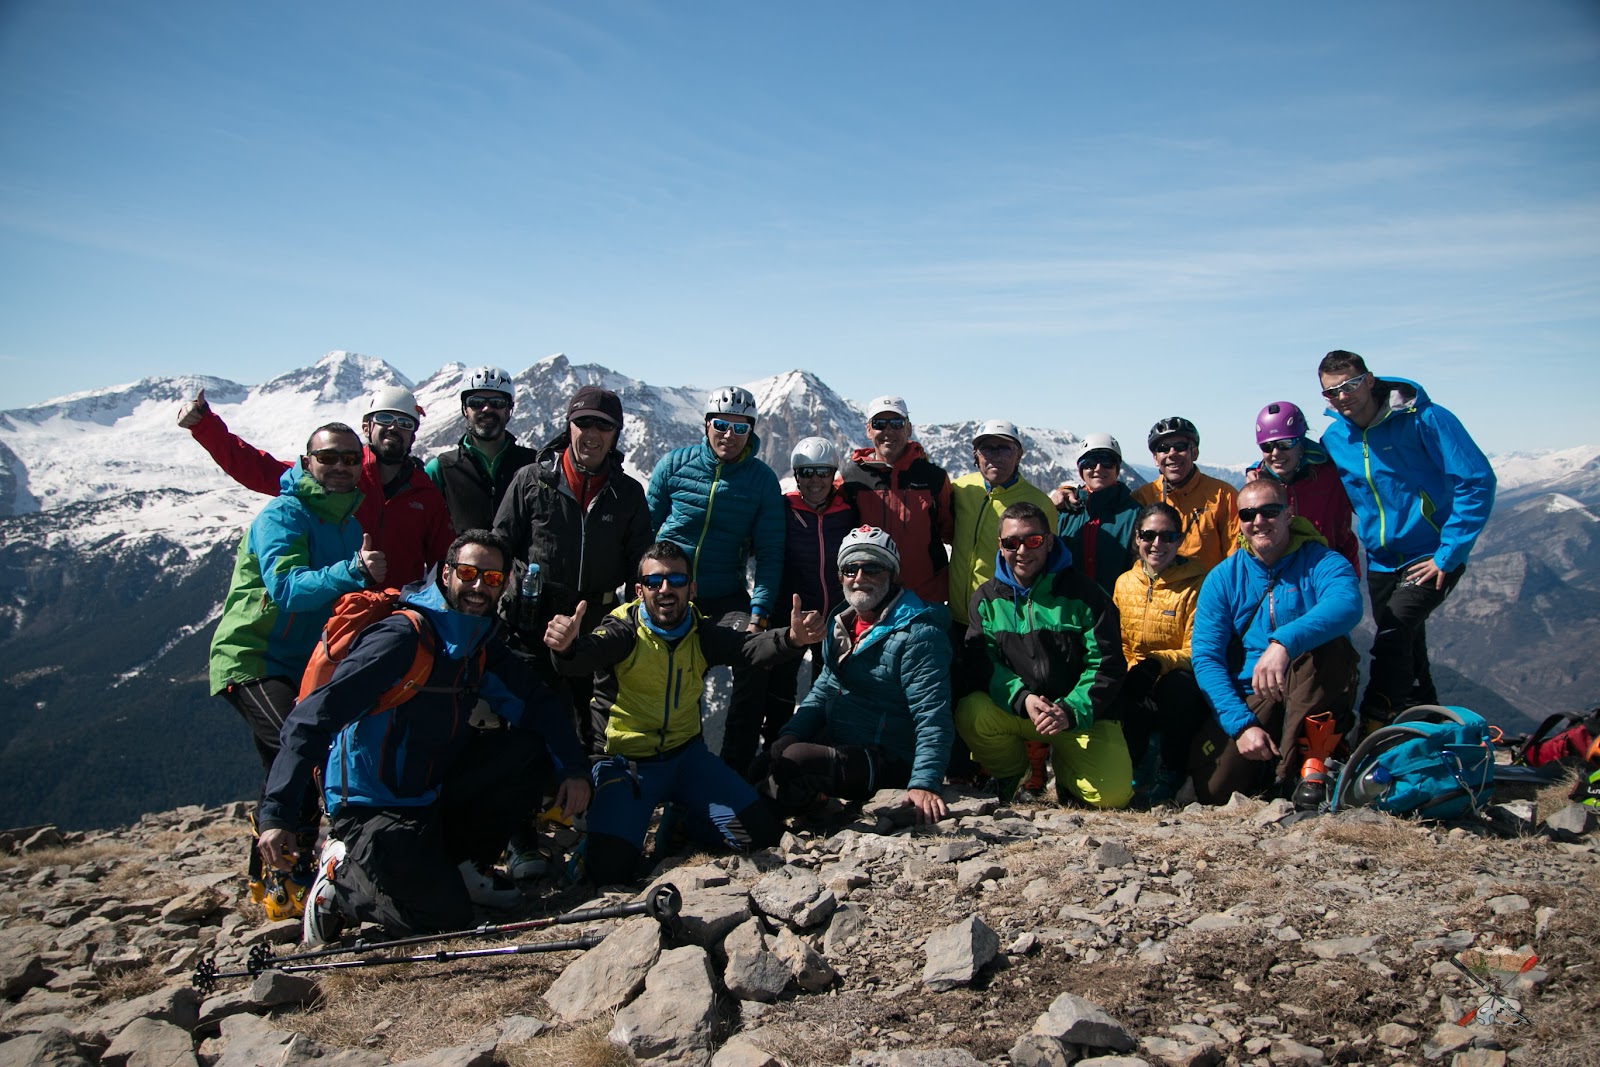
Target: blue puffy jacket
891,689
398,757
1419,485
720,514
1308,598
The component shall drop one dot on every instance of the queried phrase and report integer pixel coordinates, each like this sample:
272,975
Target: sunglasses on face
593,422
1266,511
469,574
813,472
390,418
994,447
1161,448
871,570
1011,544
329,457
1287,445
738,429
888,424
1166,537
1091,462
677,580
1349,385
493,403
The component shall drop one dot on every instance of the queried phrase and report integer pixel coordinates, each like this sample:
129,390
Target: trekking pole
662,904
203,972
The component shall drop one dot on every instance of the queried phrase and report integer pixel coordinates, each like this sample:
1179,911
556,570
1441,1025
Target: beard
390,450
866,599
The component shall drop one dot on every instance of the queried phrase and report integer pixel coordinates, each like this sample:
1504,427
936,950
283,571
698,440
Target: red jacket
412,527
910,501
1317,494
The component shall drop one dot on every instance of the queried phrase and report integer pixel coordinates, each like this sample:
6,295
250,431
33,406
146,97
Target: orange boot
1316,742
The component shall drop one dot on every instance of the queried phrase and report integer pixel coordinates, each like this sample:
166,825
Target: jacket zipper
705,527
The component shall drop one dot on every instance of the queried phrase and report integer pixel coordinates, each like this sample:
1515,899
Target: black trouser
400,866
741,731
800,770
264,704
1171,705
782,682
1398,676
576,691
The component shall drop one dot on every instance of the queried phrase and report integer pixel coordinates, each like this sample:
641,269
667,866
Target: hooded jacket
1158,612
1419,484
1056,638
721,514
1306,599
412,526
1317,494
910,501
399,757
1099,534
298,556
890,689
474,483
975,509
1210,511
811,547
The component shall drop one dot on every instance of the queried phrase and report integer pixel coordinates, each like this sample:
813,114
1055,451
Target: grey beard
863,601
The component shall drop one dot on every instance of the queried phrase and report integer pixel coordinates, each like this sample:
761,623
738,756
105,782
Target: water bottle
528,595
1370,787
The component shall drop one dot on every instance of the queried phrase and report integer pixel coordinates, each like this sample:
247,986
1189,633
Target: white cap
888,405
998,428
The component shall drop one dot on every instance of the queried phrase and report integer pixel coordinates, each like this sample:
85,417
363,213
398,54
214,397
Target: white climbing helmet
814,452
869,543
396,398
1097,442
731,400
487,380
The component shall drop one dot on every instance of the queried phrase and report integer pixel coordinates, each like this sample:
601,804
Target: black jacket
472,496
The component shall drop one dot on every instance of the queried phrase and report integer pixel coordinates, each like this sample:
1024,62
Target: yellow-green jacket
976,509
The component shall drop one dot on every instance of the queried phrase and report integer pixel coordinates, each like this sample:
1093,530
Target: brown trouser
1323,679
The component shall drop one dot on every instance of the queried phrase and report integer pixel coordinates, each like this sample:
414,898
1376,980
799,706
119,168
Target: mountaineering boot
1006,788
323,921
1318,738
255,869
525,860
1165,785
1038,760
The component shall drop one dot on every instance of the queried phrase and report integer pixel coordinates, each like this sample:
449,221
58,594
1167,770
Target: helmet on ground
997,428
870,544
814,452
1171,427
1279,421
1097,442
487,380
395,398
731,400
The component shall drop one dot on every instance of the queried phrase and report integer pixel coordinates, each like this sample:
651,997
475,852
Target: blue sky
1075,215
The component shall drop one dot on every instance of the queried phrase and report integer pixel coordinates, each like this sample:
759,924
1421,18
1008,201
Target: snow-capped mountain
117,536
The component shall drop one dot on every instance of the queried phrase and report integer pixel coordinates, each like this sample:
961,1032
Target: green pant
1093,764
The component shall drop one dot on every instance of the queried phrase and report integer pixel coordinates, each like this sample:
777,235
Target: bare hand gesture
193,411
1064,496
805,627
372,560
930,805
277,849
1271,672
1048,717
564,629
1255,743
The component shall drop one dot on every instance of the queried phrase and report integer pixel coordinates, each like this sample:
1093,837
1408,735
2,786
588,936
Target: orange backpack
353,613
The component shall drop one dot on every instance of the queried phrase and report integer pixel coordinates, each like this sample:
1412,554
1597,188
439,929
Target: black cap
593,400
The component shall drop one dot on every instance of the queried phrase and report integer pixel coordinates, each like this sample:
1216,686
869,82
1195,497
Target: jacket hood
1060,559
1301,533
460,635
864,456
1403,395
329,507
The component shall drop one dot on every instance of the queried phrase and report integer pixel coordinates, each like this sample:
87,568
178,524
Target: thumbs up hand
805,627
192,411
564,629
372,560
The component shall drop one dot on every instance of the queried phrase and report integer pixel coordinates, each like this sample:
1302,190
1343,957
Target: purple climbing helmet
1279,421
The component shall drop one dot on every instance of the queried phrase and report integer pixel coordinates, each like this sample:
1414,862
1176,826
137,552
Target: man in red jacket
402,510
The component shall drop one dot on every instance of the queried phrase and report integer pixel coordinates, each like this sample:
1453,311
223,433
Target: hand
1252,474
1256,744
573,796
1048,717
1272,669
805,627
372,560
930,806
1426,572
276,848
193,411
1064,496
564,629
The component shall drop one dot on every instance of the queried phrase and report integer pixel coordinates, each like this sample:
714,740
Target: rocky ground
1028,935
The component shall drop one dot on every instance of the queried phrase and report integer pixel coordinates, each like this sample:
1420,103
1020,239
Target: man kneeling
1270,652
418,797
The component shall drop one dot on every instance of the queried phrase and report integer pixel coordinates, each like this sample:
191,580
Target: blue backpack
1432,761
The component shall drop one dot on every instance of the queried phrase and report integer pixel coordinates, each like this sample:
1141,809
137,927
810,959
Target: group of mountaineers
977,630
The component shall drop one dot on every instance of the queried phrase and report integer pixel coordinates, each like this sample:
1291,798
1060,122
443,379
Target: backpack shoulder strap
421,665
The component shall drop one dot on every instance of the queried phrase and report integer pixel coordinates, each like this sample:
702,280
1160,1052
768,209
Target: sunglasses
813,472
1090,462
738,429
871,570
1349,385
493,403
1266,511
329,457
390,418
593,422
1011,544
677,580
1162,448
888,424
998,447
1166,537
469,574
1288,444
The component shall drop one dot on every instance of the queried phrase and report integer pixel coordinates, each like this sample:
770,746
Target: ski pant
1173,706
400,866
1323,679
747,709
1091,765
723,811
1398,676
264,704
800,771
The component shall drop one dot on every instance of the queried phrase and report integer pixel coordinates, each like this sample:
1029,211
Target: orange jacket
1158,612
1210,512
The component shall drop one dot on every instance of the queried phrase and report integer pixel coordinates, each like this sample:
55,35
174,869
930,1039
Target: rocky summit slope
1028,935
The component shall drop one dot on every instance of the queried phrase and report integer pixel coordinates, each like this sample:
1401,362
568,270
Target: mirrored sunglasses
493,403
1349,385
1011,544
1288,444
469,574
738,429
677,580
871,570
888,424
393,418
813,472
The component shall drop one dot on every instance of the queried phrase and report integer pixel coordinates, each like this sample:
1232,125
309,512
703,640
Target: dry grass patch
134,983
71,855
1557,795
585,1046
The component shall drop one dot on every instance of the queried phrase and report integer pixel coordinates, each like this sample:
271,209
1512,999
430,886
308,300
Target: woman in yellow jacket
1161,706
